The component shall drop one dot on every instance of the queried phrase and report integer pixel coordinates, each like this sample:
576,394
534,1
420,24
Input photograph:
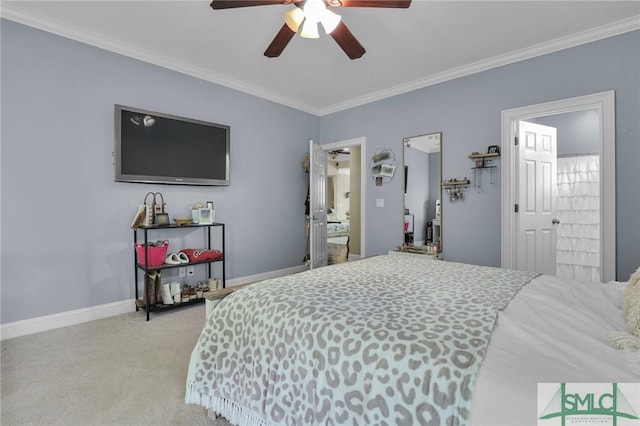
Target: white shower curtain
578,209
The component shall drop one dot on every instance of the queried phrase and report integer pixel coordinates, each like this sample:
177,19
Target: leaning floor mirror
423,192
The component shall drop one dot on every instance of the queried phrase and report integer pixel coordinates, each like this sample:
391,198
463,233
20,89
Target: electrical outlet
190,270
182,272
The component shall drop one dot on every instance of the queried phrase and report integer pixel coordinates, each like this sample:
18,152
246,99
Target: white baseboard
78,316
353,256
63,319
266,275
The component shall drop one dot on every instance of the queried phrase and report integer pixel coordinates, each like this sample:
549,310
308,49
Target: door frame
361,142
604,103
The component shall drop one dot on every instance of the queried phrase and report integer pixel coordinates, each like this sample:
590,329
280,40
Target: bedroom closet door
318,206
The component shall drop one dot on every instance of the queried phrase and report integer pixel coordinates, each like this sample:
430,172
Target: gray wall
577,131
57,140
468,112
66,241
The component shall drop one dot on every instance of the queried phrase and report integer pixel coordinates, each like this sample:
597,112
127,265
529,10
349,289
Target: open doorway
344,200
577,200
338,204
574,235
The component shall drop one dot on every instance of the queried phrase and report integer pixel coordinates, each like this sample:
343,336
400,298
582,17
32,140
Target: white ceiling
427,143
430,42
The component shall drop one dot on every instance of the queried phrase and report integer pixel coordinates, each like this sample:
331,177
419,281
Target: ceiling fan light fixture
314,10
330,20
294,18
309,29
306,23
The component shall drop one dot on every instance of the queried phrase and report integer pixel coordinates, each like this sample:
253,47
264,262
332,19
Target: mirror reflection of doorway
341,204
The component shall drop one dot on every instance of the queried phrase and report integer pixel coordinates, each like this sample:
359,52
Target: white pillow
614,290
631,313
631,304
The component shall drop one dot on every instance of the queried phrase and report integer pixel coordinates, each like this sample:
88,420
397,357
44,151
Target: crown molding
151,58
588,36
598,33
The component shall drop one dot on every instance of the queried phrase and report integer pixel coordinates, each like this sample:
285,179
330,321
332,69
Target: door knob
314,217
555,221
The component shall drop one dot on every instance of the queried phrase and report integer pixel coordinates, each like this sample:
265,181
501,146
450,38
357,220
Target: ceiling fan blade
279,42
402,4
230,4
347,41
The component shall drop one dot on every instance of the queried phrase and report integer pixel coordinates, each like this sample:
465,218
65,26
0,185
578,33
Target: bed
404,340
337,229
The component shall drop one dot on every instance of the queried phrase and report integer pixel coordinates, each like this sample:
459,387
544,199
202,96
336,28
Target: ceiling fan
334,153
306,16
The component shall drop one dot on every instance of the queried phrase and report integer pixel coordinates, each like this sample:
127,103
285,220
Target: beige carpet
115,371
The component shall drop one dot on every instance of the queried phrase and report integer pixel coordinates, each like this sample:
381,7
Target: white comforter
554,331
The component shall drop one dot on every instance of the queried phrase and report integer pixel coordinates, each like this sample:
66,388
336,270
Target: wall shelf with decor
455,188
150,301
483,165
383,166
455,182
481,159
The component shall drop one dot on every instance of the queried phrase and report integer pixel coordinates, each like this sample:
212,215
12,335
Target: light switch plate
182,272
379,202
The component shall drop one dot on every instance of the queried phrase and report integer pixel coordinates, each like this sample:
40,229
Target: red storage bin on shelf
157,254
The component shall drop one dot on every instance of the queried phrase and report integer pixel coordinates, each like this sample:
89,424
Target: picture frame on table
162,219
206,216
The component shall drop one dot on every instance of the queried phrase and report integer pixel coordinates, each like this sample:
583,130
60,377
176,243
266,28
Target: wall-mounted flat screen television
152,147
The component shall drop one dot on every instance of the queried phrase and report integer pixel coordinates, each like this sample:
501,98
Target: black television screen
152,147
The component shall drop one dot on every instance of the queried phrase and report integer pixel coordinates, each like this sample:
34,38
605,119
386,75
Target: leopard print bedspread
387,340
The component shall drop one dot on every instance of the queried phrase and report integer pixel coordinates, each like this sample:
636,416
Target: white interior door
537,192
317,206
